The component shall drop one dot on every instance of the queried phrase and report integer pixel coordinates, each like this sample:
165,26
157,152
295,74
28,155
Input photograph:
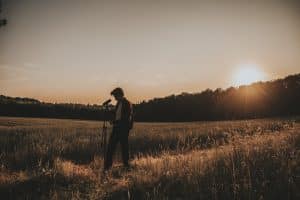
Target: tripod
103,143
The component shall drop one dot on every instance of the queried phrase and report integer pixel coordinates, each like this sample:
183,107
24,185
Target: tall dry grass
261,167
30,143
59,159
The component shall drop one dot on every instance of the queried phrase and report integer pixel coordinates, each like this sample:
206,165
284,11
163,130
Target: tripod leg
111,148
104,143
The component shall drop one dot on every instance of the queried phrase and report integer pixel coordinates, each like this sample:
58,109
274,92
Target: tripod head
105,106
105,103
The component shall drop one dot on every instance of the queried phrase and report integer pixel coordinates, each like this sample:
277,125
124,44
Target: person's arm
126,112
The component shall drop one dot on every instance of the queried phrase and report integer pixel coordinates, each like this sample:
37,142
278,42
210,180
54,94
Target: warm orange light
247,74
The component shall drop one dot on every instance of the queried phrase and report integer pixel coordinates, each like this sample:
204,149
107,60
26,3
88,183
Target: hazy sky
78,51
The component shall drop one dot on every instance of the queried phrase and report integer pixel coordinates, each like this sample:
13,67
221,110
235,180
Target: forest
279,97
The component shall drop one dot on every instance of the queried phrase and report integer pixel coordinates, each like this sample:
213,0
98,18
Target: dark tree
262,99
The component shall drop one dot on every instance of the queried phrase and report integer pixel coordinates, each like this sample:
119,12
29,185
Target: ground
61,159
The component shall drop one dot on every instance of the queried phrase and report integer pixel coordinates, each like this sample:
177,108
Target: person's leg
125,147
112,143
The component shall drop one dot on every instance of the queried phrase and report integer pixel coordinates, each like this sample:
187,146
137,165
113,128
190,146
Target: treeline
26,107
262,99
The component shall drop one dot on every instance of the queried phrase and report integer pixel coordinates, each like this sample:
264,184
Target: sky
79,50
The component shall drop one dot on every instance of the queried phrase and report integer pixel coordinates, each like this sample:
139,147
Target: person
122,124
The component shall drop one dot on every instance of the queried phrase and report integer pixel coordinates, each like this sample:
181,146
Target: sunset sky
78,51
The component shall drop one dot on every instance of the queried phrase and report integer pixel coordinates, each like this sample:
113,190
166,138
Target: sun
247,74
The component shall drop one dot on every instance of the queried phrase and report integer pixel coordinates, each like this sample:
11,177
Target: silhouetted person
122,123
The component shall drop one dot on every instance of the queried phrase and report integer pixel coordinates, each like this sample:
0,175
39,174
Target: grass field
61,159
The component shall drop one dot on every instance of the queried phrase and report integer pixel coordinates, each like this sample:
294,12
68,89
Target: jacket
126,120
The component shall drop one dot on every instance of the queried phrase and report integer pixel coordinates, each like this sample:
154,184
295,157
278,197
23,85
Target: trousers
119,135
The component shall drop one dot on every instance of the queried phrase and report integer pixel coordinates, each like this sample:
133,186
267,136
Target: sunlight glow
247,74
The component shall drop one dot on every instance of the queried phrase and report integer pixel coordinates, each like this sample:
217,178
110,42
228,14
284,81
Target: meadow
61,159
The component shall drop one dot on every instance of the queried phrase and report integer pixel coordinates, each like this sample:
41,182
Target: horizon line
146,100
